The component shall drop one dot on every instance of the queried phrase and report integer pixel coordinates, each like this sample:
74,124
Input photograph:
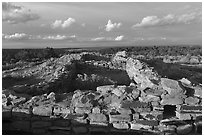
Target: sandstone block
83,110
192,101
138,126
134,104
189,109
120,125
42,110
96,110
183,116
97,118
153,115
119,118
124,111
148,122
167,100
79,122
171,86
105,89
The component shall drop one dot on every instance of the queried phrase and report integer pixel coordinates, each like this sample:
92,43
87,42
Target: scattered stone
134,104
198,91
192,101
168,100
105,89
120,125
42,110
148,122
96,110
142,74
124,111
51,96
82,110
149,98
169,129
138,126
185,81
118,91
171,86
183,116
136,116
60,110
119,118
83,99
189,109
79,122
153,115
98,118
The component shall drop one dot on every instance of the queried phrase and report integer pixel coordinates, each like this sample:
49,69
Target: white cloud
65,24
83,24
119,38
110,26
59,37
169,19
98,39
23,36
14,14
16,36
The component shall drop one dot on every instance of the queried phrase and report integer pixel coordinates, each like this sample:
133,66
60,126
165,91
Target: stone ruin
150,104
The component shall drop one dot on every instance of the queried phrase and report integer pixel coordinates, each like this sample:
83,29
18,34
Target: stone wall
88,112
96,123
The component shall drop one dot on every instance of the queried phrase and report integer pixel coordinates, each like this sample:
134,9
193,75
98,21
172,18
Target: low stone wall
51,121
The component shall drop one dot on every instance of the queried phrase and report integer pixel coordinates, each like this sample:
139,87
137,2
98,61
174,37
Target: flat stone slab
189,109
134,104
120,125
192,101
119,118
183,116
171,86
97,118
42,110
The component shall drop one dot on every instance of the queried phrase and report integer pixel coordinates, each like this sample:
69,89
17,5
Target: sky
100,24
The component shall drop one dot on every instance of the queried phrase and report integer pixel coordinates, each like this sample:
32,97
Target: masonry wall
23,121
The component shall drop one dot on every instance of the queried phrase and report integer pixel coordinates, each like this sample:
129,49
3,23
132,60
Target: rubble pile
150,104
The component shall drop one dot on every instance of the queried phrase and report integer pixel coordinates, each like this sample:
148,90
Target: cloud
98,39
16,36
119,38
23,36
14,14
59,37
83,24
110,26
65,24
169,19
149,39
